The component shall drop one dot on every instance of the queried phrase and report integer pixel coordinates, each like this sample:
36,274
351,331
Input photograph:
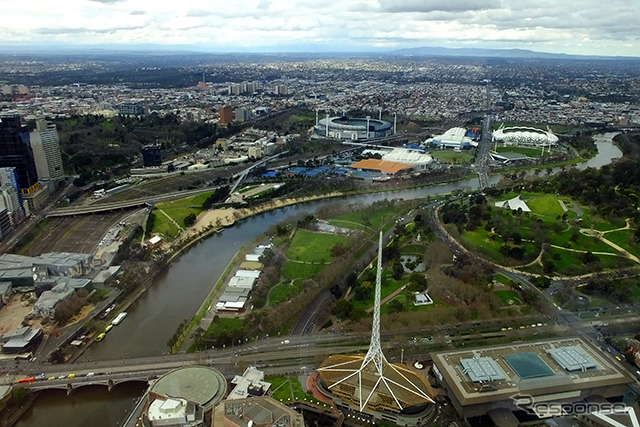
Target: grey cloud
84,30
401,6
138,12
199,13
264,4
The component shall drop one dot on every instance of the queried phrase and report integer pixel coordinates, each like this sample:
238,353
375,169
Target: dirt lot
71,234
12,314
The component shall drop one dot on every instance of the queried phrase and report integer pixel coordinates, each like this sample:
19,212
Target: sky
584,27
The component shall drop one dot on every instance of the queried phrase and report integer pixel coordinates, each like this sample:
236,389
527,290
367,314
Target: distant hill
497,53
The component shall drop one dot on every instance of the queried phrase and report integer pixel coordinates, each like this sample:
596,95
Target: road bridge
127,204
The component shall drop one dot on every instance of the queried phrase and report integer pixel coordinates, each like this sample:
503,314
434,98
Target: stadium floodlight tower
370,383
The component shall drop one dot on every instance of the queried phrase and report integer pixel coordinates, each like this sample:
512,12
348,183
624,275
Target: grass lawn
346,224
374,217
571,264
598,223
508,297
388,286
283,292
164,226
177,210
450,156
478,241
226,324
623,238
249,188
309,246
502,279
413,250
527,151
285,389
584,243
545,205
296,270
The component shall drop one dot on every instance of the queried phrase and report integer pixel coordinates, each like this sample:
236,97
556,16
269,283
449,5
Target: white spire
375,351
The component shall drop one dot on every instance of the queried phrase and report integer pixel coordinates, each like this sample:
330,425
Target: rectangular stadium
484,380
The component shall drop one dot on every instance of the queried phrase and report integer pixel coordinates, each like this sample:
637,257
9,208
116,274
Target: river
177,295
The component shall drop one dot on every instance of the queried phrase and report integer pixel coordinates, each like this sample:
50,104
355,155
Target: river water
152,320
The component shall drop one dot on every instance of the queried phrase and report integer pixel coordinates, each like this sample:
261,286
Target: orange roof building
389,168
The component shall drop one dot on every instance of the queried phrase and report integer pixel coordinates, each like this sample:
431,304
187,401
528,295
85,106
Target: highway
291,355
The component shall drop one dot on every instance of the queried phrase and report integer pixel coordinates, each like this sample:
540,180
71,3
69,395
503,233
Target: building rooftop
390,168
482,369
523,364
198,384
260,411
572,358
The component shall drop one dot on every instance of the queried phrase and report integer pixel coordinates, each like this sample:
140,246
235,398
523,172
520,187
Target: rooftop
198,384
529,368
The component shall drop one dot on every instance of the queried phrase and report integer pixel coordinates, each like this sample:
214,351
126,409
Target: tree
395,306
189,220
397,270
417,283
338,250
363,291
342,309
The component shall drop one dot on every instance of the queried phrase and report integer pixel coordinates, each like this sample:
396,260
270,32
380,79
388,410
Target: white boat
119,318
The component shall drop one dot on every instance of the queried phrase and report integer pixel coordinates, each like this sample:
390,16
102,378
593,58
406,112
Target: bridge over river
274,356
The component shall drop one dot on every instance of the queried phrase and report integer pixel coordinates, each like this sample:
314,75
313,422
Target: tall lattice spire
375,351
370,381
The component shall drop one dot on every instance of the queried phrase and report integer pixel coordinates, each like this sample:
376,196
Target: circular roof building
352,128
199,384
355,380
521,135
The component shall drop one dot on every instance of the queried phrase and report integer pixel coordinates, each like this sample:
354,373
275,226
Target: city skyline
578,28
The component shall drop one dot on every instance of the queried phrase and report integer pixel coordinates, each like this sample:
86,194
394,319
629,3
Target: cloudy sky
598,27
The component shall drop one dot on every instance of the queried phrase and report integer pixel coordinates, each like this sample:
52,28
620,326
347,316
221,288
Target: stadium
352,128
528,136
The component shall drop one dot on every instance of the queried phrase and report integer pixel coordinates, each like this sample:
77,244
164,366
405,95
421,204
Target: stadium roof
390,168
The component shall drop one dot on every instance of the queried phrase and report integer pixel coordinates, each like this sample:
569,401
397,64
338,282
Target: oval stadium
352,128
521,135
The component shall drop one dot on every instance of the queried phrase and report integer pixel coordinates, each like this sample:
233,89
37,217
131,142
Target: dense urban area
190,239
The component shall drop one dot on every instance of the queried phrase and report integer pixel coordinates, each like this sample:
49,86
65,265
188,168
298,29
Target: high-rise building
15,151
280,89
226,115
5,221
242,114
10,196
151,155
45,144
130,109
